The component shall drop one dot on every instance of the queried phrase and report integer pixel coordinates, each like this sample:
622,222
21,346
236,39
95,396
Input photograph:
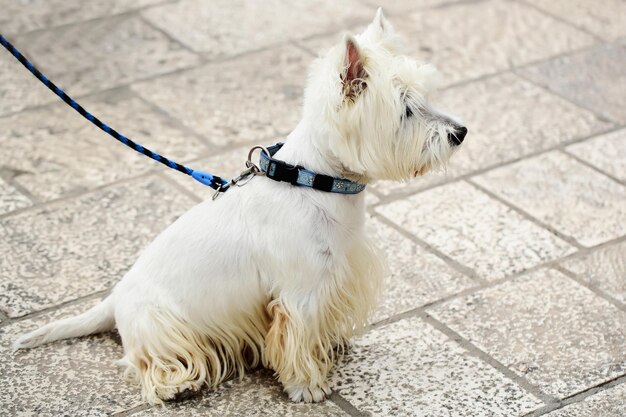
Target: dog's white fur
271,273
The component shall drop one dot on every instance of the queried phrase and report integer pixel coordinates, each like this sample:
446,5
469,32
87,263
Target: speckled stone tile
416,277
24,16
56,152
222,28
605,152
74,377
604,268
475,230
507,118
410,369
218,102
593,78
102,54
605,18
19,89
608,403
72,248
473,39
258,395
543,326
393,8
11,199
563,193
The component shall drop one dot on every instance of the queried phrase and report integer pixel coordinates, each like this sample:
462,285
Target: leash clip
245,176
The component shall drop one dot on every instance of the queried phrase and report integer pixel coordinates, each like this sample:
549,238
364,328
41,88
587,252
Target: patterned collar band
295,174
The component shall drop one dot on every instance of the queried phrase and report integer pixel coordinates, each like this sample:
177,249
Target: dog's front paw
307,394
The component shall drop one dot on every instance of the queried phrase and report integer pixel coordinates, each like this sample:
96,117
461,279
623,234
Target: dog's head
375,101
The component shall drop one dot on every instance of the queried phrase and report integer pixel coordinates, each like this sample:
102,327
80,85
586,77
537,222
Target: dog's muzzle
455,138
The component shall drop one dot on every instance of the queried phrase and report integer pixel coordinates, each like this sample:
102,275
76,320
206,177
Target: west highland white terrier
272,273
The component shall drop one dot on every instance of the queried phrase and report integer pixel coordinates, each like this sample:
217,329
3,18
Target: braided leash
205,178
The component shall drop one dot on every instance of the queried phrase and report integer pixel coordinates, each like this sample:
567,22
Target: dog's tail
97,319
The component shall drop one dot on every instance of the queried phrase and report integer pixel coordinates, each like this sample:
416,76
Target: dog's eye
408,112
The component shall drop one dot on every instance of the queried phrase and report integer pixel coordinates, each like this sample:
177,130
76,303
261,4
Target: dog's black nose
455,138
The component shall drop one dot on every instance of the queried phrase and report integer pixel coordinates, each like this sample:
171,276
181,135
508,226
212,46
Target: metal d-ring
249,162
246,175
252,168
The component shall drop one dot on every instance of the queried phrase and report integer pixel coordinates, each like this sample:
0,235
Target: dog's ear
380,26
354,74
380,21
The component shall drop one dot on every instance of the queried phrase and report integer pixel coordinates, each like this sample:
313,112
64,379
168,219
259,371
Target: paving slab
604,269
394,8
595,79
224,28
416,277
11,199
607,403
507,118
73,377
257,395
605,152
55,152
98,55
19,89
472,39
563,193
255,98
25,16
75,247
410,369
605,18
545,327
475,230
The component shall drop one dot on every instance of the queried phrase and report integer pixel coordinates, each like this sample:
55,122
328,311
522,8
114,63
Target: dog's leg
309,327
171,356
165,354
295,349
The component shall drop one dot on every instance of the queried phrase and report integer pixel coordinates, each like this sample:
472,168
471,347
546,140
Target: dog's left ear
380,26
354,73
380,21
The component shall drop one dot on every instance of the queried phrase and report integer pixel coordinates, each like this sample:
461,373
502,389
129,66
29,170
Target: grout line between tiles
126,13
10,179
78,194
525,214
457,266
131,411
590,287
566,22
576,398
55,307
599,115
554,264
346,406
179,187
494,363
588,165
177,123
156,28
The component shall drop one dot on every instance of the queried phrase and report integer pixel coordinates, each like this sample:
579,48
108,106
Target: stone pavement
507,294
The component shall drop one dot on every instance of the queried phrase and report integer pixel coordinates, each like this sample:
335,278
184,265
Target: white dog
274,273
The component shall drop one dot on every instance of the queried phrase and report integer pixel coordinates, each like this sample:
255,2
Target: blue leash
213,181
